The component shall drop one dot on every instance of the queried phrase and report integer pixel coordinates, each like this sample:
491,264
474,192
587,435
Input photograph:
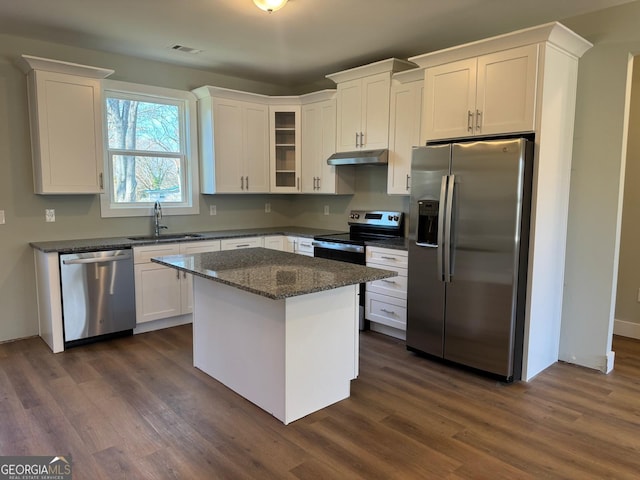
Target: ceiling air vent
182,48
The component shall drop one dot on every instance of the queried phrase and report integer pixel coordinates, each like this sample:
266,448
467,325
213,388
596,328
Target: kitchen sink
165,237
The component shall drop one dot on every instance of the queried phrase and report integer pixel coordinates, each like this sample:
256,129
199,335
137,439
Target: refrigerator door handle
447,229
441,212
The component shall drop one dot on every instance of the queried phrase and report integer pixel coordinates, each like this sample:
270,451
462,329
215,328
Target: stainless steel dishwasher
98,295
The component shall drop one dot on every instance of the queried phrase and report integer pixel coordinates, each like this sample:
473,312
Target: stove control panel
377,218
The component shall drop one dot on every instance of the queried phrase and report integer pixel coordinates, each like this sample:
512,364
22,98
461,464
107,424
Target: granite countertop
271,273
400,243
114,243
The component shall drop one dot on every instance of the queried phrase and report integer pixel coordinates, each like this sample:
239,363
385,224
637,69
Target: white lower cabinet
300,245
386,299
163,292
186,284
245,242
275,242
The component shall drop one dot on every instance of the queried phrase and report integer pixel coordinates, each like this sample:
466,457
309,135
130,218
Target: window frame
187,104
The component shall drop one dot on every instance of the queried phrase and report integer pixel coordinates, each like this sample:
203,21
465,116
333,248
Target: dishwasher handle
108,259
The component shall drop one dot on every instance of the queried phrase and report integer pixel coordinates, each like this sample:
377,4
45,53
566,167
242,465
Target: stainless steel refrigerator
469,230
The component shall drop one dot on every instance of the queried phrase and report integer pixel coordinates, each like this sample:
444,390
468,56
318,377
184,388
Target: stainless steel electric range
364,226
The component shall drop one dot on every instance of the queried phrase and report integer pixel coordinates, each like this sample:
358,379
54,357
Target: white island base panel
290,357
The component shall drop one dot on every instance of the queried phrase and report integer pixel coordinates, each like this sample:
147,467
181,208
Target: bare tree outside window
145,149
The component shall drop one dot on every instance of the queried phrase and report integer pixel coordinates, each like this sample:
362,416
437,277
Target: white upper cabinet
319,143
485,95
404,128
285,148
65,113
363,105
234,141
363,113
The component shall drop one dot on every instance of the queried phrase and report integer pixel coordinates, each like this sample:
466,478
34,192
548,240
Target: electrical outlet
213,210
49,215
267,207
326,209
1,217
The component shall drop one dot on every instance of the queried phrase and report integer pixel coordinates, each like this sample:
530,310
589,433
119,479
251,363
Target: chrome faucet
157,216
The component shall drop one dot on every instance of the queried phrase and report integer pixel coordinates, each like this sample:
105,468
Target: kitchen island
277,328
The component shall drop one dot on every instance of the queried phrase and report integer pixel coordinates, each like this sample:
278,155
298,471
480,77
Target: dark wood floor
136,408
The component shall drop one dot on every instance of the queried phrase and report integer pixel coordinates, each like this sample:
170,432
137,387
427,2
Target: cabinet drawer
387,256
386,310
144,254
200,246
394,286
304,246
235,243
274,242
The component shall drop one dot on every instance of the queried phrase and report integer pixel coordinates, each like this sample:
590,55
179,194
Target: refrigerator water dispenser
427,234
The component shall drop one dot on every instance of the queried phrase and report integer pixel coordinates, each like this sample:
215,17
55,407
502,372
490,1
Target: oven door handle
345,247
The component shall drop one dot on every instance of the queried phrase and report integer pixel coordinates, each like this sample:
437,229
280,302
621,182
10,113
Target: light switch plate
49,215
213,210
267,207
326,209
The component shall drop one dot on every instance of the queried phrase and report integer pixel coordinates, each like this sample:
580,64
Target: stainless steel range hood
360,157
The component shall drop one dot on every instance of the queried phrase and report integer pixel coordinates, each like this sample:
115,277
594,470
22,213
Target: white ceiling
294,46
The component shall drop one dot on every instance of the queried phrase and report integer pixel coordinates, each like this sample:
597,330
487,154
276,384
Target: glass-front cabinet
285,148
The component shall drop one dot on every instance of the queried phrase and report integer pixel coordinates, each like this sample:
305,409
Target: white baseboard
603,363
386,330
163,323
626,329
610,360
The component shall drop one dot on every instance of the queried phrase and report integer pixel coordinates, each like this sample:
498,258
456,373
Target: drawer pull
388,281
388,258
389,312
241,245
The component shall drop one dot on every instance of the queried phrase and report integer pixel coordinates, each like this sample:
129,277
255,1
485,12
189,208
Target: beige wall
591,265
627,305
78,216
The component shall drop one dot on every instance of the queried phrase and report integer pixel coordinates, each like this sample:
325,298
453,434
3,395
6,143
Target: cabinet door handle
361,139
407,183
297,183
470,120
178,274
101,180
318,183
314,182
478,119
247,181
241,183
357,140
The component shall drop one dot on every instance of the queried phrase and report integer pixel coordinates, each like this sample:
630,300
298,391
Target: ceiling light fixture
270,5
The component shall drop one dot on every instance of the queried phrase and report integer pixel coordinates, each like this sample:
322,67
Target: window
150,150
